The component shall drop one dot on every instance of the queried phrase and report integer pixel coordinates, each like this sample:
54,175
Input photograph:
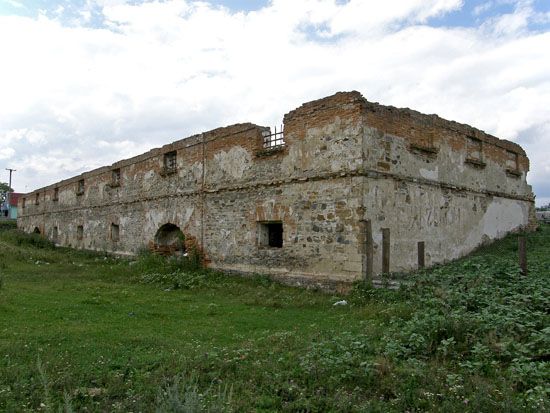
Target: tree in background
4,189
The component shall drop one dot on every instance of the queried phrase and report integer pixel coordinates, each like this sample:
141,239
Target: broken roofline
311,106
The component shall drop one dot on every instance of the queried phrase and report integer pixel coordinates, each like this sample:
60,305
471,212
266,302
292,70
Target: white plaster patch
125,222
429,173
227,241
235,162
148,175
155,219
196,170
184,218
148,180
501,217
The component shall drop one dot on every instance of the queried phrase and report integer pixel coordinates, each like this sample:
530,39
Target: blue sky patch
474,12
471,14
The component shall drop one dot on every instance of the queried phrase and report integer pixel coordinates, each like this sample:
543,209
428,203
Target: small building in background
543,216
8,209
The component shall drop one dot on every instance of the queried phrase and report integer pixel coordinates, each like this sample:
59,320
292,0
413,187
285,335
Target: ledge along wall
347,164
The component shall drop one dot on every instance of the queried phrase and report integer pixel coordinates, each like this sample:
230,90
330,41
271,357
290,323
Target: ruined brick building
353,188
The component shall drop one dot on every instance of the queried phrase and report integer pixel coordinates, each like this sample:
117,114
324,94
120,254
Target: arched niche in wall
169,240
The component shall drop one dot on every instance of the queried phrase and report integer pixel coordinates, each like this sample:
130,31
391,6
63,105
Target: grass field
88,332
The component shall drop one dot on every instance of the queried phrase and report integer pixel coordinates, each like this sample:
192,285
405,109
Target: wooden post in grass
421,255
385,250
369,250
522,248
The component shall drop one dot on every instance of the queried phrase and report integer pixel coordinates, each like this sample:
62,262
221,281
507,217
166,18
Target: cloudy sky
85,83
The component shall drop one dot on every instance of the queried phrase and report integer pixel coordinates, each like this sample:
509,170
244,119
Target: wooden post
369,249
421,260
385,250
522,248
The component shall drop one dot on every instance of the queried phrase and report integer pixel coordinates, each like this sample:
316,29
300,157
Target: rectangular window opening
80,232
37,200
55,195
115,177
54,234
474,149
512,160
115,232
273,140
23,203
80,187
270,234
170,162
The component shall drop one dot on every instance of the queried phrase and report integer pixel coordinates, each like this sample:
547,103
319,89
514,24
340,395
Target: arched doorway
169,240
36,230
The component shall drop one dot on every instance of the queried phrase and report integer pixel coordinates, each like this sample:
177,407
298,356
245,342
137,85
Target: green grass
84,331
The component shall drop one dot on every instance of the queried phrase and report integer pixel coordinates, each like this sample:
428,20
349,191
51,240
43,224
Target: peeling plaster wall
345,160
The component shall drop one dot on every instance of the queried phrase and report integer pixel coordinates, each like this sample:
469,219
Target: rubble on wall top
436,120
355,97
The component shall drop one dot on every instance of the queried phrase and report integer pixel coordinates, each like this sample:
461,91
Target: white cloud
6,153
482,8
77,97
16,3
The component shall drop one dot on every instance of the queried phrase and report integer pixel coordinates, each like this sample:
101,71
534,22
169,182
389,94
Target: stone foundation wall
345,161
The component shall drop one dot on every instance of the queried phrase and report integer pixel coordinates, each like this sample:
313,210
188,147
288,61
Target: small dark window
270,234
56,194
80,187
170,162
115,177
115,232
23,202
80,232
54,234
37,200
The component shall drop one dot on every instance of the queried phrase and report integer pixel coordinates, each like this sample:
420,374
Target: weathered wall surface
345,160
448,185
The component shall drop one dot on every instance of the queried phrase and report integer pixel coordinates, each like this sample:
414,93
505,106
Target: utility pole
11,171
9,187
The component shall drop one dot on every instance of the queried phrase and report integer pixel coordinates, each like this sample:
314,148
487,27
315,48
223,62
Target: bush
8,225
149,262
20,238
175,272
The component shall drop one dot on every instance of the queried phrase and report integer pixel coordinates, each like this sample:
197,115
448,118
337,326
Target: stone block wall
345,161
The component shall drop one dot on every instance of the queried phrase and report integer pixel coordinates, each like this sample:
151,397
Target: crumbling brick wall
345,162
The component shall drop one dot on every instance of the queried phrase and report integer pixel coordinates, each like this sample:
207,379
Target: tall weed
184,395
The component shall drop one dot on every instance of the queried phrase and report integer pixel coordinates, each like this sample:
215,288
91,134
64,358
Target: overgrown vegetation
88,331
6,225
